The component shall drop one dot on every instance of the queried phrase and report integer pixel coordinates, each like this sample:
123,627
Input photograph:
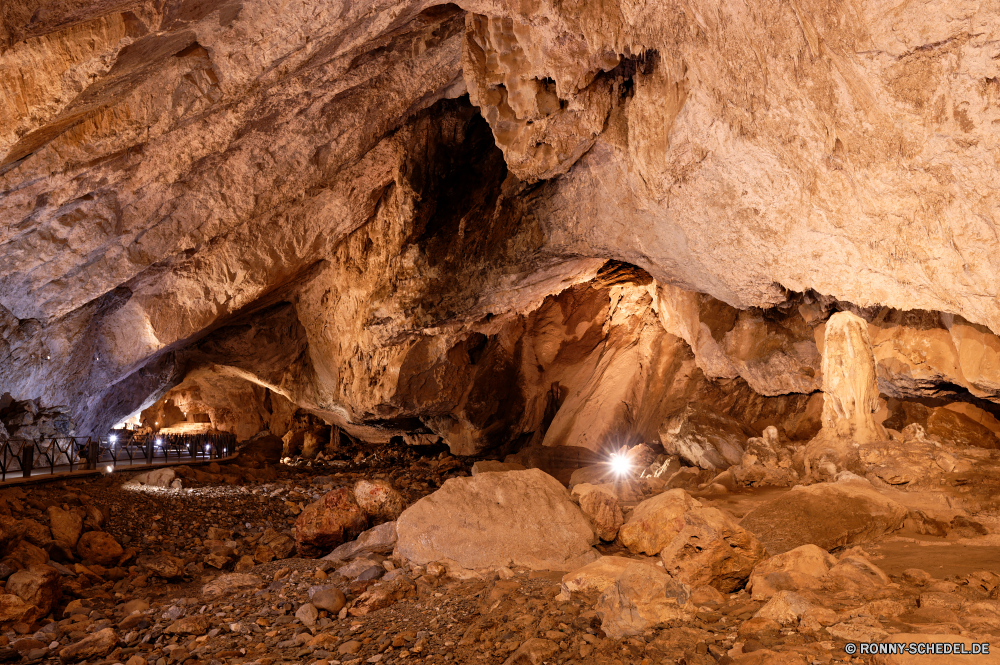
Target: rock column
849,381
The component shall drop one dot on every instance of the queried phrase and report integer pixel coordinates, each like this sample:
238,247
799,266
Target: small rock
308,614
327,598
97,645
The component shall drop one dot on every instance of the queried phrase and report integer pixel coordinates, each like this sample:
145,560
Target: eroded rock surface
493,520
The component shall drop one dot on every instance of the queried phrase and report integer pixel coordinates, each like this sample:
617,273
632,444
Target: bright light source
620,464
159,442
109,468
207,447
113,438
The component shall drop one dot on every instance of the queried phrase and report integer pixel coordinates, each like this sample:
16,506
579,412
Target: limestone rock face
703,437
491,520
496,224
827,515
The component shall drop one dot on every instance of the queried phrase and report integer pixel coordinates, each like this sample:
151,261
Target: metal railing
23,458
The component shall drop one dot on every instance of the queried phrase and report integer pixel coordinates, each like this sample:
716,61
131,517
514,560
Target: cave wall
496,223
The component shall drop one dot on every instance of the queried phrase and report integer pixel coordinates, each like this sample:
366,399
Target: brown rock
38,585
197,624
492,520
655,522
245,563
36,534
798,569
14,609
827,514
641,597
703,437
960,430
97,645
382,595
328,598
534,651
66,526
163,565
279,543
326,523
220,556
599,575
24,554
378,500
491,466
712,549
602,511
99,547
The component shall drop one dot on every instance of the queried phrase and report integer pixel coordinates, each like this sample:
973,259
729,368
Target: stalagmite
850,384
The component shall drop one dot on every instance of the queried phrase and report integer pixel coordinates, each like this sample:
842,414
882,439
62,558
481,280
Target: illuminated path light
620,464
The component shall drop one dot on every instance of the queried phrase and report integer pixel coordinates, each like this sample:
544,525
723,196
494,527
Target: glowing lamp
109,468
113,438
620,464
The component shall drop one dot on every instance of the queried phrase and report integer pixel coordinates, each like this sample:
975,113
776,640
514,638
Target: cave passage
517,333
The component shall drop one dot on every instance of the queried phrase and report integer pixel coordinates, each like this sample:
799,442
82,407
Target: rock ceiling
494,222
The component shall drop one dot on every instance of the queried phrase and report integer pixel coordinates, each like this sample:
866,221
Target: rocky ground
205,565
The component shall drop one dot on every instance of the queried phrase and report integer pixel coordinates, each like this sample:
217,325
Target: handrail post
27,458
149,450
93,451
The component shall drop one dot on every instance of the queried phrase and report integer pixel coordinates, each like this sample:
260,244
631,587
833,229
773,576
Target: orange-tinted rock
326,523
99,547
38,585
961,430
378,500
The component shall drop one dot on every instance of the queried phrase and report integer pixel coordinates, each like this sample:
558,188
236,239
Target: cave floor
233,608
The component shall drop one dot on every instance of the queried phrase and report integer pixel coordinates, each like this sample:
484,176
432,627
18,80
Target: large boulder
378,499
517,518
66,526
641,597
798,569
37,585
326,523
827,514
703,437
655,522
712,549
99,547
155,478
600,505
14,609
